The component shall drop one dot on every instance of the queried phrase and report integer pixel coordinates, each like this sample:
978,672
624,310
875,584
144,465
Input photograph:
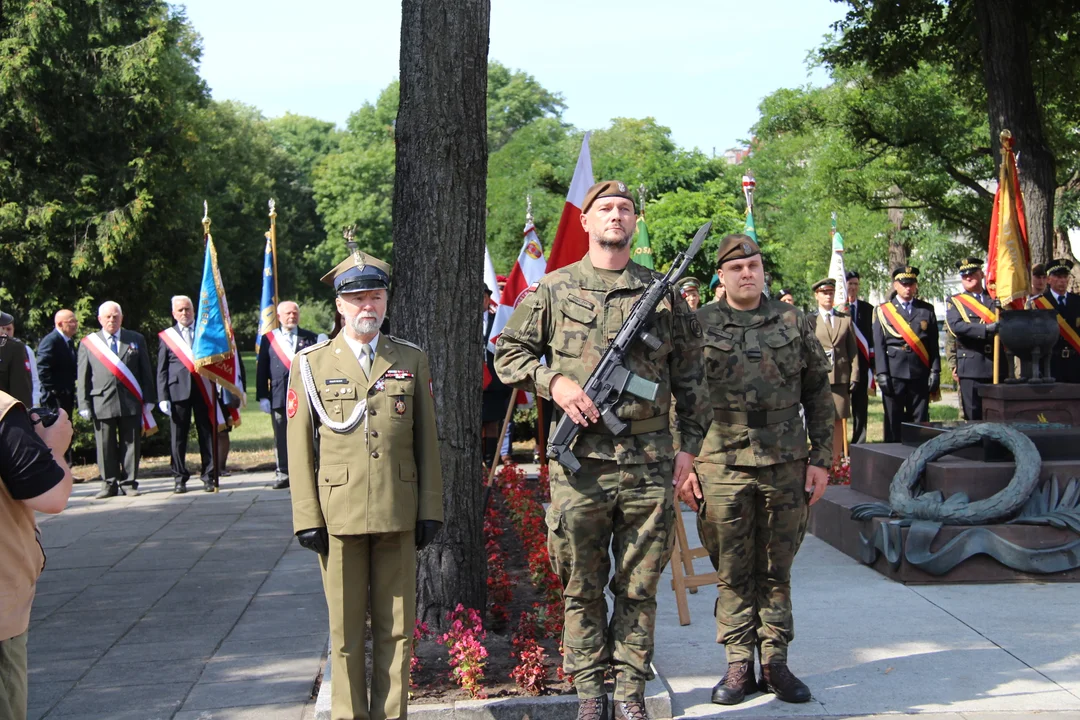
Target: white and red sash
175,342
285,355
97,347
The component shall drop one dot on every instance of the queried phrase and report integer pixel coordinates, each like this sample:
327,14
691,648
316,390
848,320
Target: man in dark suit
58,367
181,394
971,320
906,359
115,388
1065,358
862,321
276,351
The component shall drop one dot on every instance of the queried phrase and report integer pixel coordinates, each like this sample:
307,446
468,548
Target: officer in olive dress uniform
15,378
970,319
1065,359
757,473
622,496
835,331
366,486
907,362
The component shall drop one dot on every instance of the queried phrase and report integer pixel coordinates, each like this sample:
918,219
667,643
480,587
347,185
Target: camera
45,416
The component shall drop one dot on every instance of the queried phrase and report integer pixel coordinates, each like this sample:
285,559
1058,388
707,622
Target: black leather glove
883,383
316,539
991,328
935,382
426,530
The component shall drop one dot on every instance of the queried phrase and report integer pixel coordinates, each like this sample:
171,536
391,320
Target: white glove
85,414
165,406
264,405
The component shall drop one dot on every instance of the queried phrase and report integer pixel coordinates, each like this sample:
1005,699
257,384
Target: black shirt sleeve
27,466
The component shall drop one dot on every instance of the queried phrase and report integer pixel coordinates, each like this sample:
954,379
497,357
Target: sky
700,67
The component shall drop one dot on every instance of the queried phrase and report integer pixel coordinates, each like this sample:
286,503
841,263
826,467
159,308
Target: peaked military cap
906,273
1059,266
969,265
6,319
357,272
1038,270
606,188
690,283
736,247
824,283
783,292
852,275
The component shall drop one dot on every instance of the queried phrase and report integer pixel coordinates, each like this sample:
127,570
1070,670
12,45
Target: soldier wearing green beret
756,473
366,486
622,496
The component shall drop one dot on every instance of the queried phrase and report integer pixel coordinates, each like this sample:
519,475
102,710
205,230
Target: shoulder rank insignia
405,342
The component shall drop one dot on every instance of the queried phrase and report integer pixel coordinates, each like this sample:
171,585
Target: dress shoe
281,484
180,487
778,680
630,710
208,486
593,708
131,491
737,683
107,490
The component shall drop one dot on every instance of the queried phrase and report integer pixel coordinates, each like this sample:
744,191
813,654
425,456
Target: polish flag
571,240
490,278
527,272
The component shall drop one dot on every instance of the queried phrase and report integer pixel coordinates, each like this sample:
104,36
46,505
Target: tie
113,346
907,308
1061,301
829,318
187,336
292,340
71,347
365,359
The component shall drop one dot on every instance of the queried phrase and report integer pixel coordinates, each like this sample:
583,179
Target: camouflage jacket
571,318
766,359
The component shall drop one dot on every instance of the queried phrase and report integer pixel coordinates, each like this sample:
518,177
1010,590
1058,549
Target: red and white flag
527,271
571,241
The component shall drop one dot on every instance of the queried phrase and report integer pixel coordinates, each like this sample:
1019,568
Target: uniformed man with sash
907,364
366,486
1065,359
972,322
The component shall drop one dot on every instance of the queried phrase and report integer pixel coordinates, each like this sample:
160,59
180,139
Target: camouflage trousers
752,523
629,508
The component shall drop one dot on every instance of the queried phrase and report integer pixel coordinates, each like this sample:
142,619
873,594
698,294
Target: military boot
737,683
593,708
630,710
778,680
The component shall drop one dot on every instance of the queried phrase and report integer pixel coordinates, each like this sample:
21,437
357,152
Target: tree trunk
1003,36
898,253
440,194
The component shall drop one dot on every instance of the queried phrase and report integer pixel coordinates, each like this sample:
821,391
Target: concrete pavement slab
159,698
288,711
244,693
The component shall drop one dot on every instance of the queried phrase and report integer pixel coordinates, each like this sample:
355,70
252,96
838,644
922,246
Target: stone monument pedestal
1031,403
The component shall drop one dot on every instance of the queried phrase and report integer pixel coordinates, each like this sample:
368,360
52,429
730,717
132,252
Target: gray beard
365,326
612,244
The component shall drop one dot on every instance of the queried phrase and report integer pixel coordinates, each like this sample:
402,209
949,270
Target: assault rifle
612,378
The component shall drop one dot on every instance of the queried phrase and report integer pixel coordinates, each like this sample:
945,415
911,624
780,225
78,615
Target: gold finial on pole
273,246
528,210
205,218
642,194
349,233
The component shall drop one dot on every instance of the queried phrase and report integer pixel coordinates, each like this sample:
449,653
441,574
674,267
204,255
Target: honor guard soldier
906,357
622,495
971,320
690,289
757,474
1065,359
835,331
366,486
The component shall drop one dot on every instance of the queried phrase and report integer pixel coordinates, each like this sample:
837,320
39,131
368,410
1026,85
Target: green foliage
675,217
514,100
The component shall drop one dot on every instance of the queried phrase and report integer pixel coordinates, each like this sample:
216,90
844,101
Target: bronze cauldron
1030,335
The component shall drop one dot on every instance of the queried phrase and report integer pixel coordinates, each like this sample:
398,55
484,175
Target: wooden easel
683,576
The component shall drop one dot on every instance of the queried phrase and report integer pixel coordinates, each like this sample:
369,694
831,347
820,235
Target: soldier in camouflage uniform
755,475
623,494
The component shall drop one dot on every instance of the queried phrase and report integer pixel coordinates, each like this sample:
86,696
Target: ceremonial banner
112,362
748,186
491,280
527,271
571,241
268,319
642,252
837,272
1008,263
214,348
